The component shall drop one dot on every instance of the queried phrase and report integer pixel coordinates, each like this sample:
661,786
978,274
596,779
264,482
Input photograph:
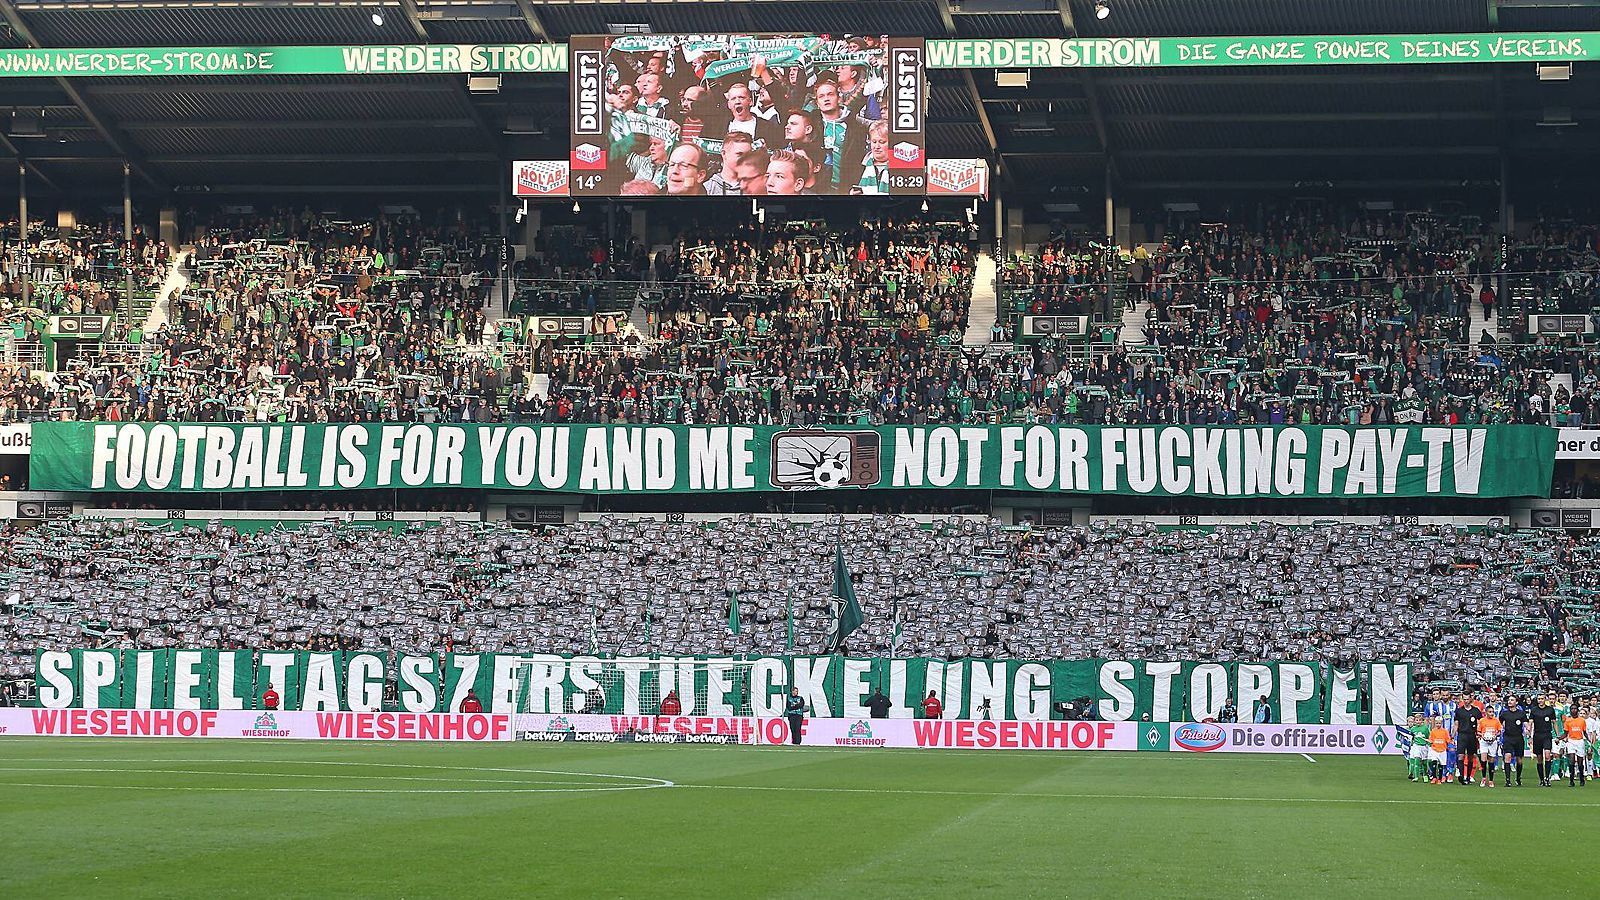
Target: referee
794,710
1544,728
1514,720
1467,716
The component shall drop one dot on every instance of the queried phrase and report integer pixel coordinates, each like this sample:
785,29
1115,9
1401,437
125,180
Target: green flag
850,617
894,642
789,644
733,611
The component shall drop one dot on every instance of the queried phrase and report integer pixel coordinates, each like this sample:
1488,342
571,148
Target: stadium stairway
144,303
177,279
1478,326
1133,322
984,307
638,316
494,310
494,305
656,251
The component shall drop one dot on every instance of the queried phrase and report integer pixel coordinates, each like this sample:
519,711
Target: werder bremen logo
860,730
1379,741
1153,736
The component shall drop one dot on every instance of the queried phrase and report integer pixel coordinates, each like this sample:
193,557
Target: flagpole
838,549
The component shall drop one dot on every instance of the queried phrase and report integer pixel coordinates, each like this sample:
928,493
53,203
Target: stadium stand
812,326
727,417
1311,322
1298,320
1512,610
1288,301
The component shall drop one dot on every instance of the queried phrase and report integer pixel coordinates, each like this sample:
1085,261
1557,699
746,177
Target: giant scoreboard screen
748,115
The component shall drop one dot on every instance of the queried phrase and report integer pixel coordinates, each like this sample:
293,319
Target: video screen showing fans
747,115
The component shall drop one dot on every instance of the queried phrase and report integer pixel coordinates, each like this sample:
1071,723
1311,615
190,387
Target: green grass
107,817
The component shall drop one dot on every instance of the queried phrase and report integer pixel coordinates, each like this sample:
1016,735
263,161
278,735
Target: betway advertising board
1170,460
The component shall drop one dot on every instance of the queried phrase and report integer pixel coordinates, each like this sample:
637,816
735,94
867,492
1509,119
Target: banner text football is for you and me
1268,461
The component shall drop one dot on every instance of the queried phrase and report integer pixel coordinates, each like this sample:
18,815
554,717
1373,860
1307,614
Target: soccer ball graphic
809,459
831,472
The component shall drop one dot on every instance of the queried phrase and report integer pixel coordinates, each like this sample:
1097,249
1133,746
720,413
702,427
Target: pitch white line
1308,757
1159,797
641,782
310,762
311,790
383,777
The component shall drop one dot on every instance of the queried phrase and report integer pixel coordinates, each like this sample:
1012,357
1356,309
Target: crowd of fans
302,319
71,271
803,325
1303,319
1491,607
1297,318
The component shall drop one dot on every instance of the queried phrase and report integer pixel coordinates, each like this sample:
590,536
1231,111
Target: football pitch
174,818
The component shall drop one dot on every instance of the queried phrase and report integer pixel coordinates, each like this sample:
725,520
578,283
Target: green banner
1196,692
1284,50
832,686
406,59
963,53
1220,461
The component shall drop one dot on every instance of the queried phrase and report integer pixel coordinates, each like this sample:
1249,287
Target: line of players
1464,739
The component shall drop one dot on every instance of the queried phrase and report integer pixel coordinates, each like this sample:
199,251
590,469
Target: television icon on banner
809,459
540,178
588,158
905,155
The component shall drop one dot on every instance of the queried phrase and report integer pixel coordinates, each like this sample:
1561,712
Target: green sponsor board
832,686
1153,736
1266,461
981,53
404,59
1136,460
1284,50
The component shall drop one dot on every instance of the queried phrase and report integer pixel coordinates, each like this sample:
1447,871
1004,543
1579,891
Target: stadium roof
1404,128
